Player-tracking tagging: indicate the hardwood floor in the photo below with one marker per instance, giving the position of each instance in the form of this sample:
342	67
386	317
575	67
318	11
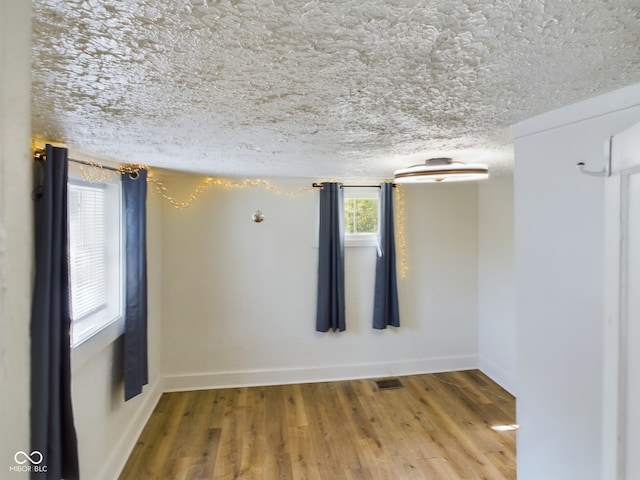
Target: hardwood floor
434	427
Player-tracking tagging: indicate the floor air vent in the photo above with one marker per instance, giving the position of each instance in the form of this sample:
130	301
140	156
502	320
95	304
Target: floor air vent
388	384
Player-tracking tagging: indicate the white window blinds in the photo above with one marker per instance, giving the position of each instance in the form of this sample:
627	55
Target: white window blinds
88	248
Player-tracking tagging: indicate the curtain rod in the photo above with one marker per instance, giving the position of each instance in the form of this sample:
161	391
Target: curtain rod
96	165
320	185
41	156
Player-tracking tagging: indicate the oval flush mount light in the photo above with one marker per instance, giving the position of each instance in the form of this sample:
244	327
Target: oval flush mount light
441	170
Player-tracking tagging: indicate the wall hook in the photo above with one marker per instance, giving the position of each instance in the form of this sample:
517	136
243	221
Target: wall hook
605	171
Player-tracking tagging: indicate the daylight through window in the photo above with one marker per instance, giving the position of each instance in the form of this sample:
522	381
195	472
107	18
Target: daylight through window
361	216
95	256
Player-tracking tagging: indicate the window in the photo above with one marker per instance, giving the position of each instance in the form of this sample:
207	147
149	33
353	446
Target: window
361	216
95	255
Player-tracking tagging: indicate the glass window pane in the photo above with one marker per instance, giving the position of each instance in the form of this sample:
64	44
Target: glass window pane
360	216
87	250
349	215
367	215
95	255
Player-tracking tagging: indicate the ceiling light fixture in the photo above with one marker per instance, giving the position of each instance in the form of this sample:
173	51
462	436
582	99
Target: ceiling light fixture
441	170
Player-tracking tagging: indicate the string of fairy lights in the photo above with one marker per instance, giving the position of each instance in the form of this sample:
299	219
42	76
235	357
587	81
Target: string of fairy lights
91	171
401	246
161	188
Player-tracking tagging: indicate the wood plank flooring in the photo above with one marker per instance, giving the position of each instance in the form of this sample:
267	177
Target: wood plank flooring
435	426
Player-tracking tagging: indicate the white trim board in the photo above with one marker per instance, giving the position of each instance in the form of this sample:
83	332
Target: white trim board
505	379
604	104
252	378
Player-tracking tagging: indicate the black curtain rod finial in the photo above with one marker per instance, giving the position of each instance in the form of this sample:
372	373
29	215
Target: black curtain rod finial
39	154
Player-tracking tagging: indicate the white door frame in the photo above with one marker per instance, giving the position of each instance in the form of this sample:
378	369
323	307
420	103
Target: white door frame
615	334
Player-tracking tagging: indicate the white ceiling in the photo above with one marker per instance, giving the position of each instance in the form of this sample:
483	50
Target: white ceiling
321	89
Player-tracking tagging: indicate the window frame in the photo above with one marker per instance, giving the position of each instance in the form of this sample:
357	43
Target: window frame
111	317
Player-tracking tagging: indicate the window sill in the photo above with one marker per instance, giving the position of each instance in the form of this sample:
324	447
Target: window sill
361	241
90	347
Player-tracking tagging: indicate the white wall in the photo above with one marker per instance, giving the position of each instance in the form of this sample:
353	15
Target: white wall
16	221
239	297
559	221
496	282
439	295
107	427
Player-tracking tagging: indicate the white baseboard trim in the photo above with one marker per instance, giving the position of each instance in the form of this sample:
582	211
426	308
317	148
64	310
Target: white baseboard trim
120	454
252	378
506	380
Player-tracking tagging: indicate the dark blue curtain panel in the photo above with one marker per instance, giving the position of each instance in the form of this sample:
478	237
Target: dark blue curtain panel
53	433
331	296
385	304
136	370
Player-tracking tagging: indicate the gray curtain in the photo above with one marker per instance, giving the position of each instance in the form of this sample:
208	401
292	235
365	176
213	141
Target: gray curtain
331	307
136	372
385	305
53	433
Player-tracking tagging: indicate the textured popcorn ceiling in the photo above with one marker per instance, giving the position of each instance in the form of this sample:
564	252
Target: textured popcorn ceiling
317	89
